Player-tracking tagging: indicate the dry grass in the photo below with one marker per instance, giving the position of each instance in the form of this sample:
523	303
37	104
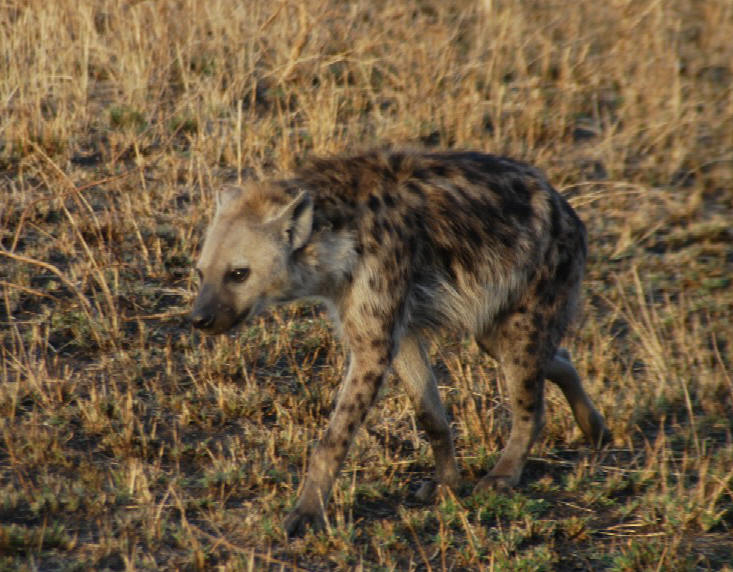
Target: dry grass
129	442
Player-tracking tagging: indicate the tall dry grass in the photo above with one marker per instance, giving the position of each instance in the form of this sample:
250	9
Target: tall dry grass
128	442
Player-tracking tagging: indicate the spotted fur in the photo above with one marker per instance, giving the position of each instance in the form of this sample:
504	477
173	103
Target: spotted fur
400	246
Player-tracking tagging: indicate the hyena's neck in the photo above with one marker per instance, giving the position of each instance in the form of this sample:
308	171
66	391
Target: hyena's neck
325	266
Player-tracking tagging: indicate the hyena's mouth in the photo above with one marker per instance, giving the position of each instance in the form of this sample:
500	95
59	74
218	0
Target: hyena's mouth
224	323
240	318
245	315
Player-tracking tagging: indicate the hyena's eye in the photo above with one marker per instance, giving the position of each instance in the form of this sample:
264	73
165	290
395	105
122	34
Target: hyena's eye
238	274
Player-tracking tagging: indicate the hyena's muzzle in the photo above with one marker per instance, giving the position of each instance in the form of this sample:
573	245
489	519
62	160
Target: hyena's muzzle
213	313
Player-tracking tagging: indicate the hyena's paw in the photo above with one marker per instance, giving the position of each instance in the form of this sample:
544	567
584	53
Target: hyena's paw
297	522
495	483
600	435
427	492
430	490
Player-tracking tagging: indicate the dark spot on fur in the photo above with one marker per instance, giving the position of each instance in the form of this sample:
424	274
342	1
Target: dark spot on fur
519	188
550	295
439	170
469	260
378	343
373	203
389	199
338	223
542	285
474	177
515	209
344	443
377	229
395	163
563	270
474	237
504	235
415	189
538	320
526	418
445	259
412	244
371	378
531	348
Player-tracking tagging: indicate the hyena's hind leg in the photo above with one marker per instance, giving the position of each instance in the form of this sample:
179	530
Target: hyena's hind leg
562	372
520	346
523	368
413	367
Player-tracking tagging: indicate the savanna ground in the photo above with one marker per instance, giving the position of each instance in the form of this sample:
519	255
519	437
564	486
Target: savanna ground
130	442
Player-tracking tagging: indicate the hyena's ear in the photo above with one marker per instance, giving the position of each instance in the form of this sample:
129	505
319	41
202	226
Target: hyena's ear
226	194
295	220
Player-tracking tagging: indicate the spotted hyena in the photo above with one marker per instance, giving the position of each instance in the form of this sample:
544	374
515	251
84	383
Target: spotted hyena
400	245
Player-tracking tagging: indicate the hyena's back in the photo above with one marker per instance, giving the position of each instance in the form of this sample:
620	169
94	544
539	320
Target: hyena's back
474	236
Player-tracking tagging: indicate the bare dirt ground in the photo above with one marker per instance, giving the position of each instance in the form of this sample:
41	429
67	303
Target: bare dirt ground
129	442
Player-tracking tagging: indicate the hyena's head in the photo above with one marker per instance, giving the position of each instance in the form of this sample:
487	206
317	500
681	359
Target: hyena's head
246	259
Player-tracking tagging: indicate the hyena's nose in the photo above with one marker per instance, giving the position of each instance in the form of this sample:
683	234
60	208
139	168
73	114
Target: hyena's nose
201	320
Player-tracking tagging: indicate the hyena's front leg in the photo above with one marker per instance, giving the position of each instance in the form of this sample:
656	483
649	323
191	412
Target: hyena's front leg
356	395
